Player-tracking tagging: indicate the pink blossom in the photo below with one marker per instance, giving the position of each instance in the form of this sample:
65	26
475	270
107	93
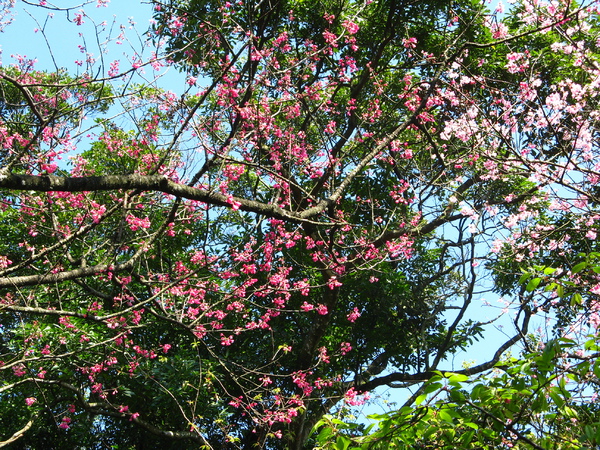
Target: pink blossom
353	398
304	287
64	424
354	314
136	223
236	402
235	205
517	62
97	212
322	309
30	401
4	262
19	370
248	269
299	378
233	171
226	340
114	68
330	128
330	38
307	307
79	17
200	331
402	247
266	381
333	282
350	26
410	42
323	356
345	347
499	30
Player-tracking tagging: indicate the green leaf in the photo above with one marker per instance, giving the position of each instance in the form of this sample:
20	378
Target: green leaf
533	284
481	392
458	378
340	423
591	344
431	387
449	434
597	368
524	277
446	415
556	397
457	396
342	442
467	436
576	299
579	267
420	399
324	435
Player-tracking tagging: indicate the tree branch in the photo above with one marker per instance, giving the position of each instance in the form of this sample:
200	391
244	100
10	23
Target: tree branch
20	433
156	183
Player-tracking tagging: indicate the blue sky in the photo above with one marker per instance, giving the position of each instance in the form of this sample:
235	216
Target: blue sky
44	34
57	39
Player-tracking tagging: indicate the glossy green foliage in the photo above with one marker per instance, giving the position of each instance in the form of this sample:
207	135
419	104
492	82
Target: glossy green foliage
523	403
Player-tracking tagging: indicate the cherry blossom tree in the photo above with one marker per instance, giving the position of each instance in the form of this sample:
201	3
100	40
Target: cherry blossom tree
315	214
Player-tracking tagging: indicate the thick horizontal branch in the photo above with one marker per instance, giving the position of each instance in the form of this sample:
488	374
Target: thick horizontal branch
50	312
50	278
154	183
